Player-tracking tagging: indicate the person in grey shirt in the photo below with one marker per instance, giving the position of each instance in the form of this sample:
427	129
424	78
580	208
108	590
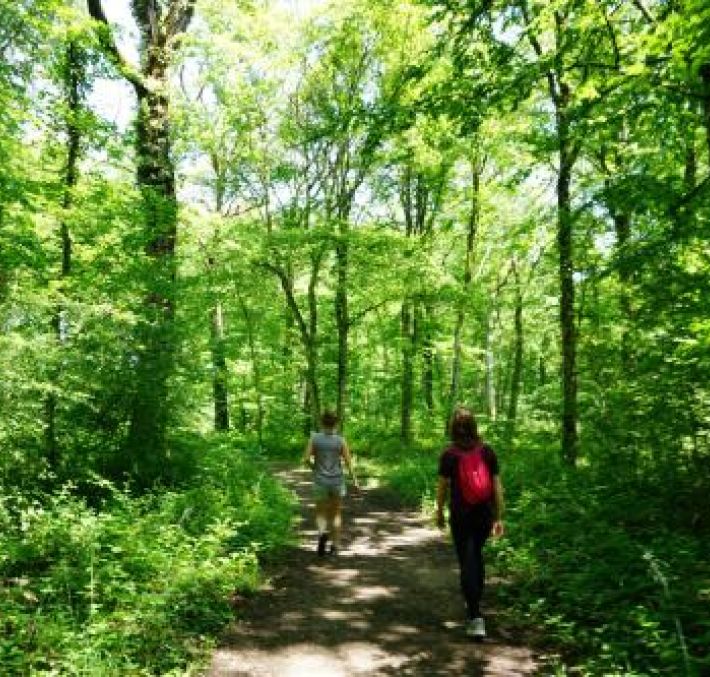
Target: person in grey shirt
326	451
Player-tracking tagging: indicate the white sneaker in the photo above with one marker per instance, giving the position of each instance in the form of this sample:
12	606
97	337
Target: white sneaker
476	628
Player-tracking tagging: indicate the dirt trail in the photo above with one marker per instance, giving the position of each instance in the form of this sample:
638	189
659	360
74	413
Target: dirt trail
388	604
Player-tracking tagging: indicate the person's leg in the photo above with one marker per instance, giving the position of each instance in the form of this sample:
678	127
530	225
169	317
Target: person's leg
321	508
322	516
468	542
335	519
462	538
476	570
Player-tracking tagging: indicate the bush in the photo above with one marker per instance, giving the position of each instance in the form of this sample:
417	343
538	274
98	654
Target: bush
593	565
142	585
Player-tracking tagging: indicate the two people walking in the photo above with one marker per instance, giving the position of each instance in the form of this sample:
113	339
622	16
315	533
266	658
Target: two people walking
469	482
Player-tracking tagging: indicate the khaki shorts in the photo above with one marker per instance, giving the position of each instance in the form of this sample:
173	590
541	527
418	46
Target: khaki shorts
322	492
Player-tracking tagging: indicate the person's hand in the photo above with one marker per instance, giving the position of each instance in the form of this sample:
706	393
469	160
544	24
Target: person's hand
498	528
440	521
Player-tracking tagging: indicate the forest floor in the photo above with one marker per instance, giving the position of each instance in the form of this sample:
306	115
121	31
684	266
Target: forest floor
388	604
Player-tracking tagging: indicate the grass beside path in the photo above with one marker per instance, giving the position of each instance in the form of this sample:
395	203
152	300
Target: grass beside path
607	579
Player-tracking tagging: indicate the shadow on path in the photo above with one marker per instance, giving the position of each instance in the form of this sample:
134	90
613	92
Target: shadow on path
388	604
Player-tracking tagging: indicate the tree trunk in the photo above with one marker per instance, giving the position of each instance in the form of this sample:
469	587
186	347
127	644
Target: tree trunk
308	331
73	76
219	366
161	25
622	229
567	292
256	370
342	317
156	180
427	356
490	373
473	218
217	344
705	78
407	337
517	353
312	345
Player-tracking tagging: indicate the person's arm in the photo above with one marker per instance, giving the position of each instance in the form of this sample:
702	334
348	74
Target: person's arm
498	506
442	493
348	459
308	453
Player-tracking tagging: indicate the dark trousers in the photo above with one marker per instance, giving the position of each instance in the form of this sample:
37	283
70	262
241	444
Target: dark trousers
469	534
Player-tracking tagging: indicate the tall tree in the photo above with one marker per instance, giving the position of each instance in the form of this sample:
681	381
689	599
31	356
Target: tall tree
161	24
72	75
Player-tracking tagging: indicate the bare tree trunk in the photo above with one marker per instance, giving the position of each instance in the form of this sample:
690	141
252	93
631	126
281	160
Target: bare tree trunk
517	353
307	329
407	372
217	344
567	292
219	365
256	369
705	78
161	25
427	356
473	218
73	76
567	152
490	373
342	317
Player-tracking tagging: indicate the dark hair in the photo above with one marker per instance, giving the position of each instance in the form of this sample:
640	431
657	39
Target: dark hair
463	430
328	419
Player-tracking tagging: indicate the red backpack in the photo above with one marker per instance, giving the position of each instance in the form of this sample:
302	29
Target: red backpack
474	477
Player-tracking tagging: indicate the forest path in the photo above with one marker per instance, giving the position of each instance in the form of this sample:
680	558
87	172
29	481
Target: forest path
388	604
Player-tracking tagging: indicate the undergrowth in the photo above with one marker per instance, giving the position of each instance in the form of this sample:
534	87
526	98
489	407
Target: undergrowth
608	576
137	585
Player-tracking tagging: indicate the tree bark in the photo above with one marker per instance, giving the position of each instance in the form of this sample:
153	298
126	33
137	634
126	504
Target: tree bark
567	152
407	371
73	76
307	329
427	356
491	402
342	315
473	218
220	390
705	79
256	370
219	366
567	292
516	376
161	26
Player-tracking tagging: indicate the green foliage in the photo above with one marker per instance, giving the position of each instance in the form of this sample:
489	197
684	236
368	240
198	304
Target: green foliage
138	585
590	567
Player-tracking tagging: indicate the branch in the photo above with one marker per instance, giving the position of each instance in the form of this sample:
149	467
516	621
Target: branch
375	306
179	16
688	197
290	300
537	48
644	10
126	69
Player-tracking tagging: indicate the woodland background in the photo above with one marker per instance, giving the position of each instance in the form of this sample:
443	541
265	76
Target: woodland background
382	207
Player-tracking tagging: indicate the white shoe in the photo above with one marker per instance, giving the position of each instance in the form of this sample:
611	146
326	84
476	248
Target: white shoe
476	628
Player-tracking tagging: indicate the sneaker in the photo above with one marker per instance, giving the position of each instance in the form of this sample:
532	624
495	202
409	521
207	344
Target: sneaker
476	628
321	544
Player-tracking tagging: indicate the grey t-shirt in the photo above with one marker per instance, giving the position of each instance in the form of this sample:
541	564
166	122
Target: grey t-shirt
328	469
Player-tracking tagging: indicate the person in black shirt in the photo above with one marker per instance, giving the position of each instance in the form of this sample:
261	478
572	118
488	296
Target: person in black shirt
471	524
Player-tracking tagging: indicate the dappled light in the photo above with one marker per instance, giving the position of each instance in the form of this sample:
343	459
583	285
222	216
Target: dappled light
388	604
240	234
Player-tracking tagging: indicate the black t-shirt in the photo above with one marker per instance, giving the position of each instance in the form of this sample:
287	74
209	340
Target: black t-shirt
448	467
